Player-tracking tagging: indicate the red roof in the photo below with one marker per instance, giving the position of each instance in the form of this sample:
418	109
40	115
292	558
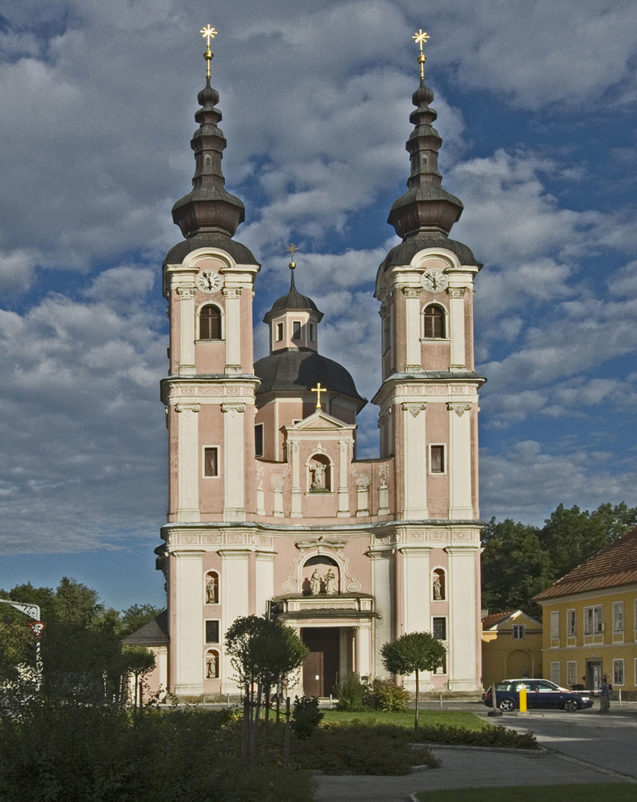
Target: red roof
614	565
491	620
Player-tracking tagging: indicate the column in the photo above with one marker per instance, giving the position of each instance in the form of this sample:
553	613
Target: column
457	326
233	329
235	573
412	329
263	579
363	649
463	660
186	295
383	602
233	461
293	456
460	461
187	462
343	490
414	472
415	591
188	633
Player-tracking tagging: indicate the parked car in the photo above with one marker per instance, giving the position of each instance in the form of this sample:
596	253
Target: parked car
540	693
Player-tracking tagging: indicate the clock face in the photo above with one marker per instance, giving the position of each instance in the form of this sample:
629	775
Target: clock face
435	281
209	281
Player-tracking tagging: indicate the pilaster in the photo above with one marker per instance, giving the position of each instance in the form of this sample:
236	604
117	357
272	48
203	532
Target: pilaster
460	461
233	329
186	295
235	597
234	462
464	599
457	326
414	470
412	329
188	626
187	462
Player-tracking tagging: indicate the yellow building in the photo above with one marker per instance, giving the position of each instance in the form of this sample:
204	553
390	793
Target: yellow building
590	620
511	647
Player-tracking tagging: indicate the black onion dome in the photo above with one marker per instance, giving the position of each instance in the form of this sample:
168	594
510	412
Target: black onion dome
426	205
299	369
293	300
404	252
208	207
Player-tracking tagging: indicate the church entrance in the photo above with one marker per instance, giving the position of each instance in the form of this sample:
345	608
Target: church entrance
320	669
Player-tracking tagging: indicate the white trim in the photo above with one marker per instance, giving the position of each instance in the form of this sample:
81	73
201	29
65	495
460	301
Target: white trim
616	662
555	671
572	634
571	667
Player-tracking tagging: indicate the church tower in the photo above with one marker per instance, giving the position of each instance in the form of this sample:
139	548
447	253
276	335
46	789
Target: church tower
429	403
270	508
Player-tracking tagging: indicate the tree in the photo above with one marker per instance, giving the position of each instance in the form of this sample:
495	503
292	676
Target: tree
263	653
135	616
138	661
413	653
514	566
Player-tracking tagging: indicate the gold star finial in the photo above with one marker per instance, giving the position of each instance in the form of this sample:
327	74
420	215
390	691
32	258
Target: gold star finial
292	250
318	390
208	33
421	37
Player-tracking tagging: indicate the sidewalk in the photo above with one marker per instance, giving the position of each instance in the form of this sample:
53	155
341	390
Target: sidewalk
465	768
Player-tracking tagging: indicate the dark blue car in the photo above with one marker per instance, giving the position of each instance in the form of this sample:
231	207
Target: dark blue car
540	693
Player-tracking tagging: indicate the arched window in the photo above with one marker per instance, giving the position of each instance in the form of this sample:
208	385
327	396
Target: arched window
210	323
435	321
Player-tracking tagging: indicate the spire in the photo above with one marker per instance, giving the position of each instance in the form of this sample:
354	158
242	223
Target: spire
208	207
426	206
293	300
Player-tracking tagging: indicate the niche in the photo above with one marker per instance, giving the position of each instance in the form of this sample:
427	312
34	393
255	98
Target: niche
319	474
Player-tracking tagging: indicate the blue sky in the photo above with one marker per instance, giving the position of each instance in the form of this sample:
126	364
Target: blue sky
536	105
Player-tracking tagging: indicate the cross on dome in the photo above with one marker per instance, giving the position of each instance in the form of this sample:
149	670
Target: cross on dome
421	37
208	33
318	390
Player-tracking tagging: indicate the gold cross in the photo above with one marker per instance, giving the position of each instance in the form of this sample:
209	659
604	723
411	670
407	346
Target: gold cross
420	38
291	250
318	390
208	33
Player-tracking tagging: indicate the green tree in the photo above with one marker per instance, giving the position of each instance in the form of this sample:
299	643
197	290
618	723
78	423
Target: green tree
135	616
514	566
138	662
413	653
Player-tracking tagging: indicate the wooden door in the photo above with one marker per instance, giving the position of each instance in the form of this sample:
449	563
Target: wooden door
320	669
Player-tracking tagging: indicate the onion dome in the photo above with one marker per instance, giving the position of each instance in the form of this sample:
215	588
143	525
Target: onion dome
208	207
426	206
292	301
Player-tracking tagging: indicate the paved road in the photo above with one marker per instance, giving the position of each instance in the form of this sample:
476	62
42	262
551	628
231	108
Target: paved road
585	748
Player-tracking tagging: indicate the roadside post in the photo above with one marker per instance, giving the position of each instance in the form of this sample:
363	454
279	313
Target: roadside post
37	628
522	693
495	711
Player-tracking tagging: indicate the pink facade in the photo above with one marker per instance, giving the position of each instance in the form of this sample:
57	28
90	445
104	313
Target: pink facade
269	509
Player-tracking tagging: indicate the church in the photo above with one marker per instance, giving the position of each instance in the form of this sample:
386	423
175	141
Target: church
270	511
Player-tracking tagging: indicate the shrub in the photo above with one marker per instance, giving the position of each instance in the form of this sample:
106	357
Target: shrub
489	736
306	716
387	695
353	694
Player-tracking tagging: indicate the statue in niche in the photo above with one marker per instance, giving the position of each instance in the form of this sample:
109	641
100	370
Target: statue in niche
212	667
315	582
437	587
212	590
318	476
330	582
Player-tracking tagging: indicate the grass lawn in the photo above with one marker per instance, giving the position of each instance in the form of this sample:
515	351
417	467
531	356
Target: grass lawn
618	792
426	718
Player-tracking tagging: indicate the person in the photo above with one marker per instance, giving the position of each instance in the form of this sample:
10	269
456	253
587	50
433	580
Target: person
606	690
211	590
437	588
318	475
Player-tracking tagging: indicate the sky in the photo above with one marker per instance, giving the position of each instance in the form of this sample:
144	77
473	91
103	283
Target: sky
536	107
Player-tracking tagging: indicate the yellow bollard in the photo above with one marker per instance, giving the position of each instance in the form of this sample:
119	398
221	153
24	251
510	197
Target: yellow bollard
522	693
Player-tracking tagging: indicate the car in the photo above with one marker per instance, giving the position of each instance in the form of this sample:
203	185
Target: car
540	693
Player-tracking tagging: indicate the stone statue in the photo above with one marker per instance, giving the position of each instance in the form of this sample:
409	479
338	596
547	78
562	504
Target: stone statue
212	670
318	475
330	582
315	582
437	588
211	590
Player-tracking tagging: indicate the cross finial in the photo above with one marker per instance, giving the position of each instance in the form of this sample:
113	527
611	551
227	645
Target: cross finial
421	37
318	390
292	250
208	33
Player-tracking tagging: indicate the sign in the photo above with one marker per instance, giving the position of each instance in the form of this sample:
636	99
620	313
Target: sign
37	628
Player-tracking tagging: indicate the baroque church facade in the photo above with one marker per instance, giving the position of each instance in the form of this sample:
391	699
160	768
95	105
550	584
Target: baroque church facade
270	511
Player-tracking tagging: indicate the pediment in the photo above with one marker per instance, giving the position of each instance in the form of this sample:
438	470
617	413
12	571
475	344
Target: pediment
320	421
